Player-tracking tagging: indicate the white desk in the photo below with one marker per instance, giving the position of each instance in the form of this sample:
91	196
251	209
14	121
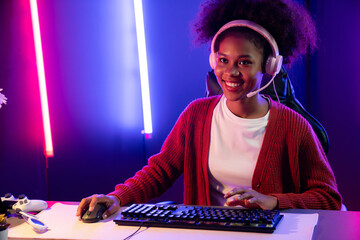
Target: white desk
63	224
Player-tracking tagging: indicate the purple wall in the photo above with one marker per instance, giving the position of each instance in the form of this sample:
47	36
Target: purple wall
93	83
335	98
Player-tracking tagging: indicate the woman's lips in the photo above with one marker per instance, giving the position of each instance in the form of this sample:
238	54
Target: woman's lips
232	86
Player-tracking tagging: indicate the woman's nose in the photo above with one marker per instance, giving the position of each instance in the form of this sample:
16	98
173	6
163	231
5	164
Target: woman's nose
233	72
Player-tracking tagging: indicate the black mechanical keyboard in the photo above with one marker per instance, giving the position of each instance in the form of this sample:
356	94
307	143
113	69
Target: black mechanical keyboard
200	217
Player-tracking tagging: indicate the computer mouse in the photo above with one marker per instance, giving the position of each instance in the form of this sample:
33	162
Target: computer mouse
95	215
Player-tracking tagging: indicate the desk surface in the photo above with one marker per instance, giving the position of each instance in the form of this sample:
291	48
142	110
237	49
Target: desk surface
334	224
330	225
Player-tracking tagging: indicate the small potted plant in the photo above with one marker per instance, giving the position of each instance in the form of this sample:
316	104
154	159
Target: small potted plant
3	227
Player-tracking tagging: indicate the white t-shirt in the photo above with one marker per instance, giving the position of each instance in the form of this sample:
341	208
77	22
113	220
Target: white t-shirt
235	144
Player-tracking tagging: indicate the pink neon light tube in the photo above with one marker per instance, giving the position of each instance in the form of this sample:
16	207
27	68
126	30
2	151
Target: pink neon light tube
49	151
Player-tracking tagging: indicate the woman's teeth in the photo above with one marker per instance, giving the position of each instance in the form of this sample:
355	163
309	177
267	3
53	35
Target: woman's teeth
232	84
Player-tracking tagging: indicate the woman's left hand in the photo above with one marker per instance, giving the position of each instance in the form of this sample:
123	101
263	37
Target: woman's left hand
250	198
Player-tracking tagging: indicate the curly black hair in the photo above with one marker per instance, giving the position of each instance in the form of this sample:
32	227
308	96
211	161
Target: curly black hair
288	22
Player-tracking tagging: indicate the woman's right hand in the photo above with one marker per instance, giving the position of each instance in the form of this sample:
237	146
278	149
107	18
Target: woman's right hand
112	203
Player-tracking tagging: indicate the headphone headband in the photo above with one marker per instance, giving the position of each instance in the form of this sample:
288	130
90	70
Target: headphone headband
273	63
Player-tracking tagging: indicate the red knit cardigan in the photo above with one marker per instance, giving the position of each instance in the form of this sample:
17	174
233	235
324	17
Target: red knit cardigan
291	166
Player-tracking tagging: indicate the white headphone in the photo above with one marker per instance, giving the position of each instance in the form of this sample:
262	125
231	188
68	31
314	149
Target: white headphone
273	62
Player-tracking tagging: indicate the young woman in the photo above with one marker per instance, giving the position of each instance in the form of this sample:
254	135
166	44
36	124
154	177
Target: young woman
241	148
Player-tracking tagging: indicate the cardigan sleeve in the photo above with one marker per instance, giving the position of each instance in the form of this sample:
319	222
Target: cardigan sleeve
318	189
160	173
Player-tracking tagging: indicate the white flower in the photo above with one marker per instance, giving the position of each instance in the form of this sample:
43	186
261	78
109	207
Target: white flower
2	98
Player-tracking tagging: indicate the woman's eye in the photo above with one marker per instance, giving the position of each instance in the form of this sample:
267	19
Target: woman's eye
244	62
223	60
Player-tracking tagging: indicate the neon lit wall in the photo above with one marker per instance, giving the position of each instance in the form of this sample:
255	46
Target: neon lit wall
336	87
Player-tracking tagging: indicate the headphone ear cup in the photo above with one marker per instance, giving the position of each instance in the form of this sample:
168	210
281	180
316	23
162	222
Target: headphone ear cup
273	65
278	64
270	65
212	60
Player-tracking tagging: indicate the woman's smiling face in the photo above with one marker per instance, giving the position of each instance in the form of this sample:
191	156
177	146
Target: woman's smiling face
239	66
